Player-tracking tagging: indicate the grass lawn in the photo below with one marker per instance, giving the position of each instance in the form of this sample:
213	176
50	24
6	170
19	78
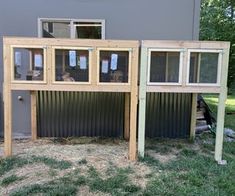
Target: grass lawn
170	167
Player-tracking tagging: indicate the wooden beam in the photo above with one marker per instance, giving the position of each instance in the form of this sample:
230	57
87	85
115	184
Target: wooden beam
193	116
142	101
127	117
221	107
133	104
33	96
7	98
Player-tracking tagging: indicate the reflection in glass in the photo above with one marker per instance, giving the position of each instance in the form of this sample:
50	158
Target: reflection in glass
164	67
28	64
203	67
56	29
72	65
88	30
114	66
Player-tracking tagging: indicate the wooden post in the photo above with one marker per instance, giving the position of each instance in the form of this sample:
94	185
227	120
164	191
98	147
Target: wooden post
33	115
220	126
142	101
127	117
193	116
133	104
7	98
221	107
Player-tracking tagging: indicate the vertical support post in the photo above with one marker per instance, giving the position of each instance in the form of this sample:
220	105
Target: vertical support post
221	105
133	103
142	101
127	117
7	121
193	116
7	97
220	126
33	115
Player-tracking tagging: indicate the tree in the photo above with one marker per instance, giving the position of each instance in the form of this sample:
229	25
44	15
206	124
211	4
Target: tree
218	24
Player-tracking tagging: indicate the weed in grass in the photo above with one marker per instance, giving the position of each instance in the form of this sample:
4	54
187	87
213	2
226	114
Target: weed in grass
82	162
11	179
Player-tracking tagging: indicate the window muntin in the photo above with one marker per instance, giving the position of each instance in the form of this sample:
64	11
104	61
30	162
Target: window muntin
28	64
204	67
71	65
165	66
114	66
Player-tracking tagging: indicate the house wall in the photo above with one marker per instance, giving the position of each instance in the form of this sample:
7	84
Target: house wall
125	19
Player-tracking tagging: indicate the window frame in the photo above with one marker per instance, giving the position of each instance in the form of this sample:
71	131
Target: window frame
128	83
45	70
72	25
54	48
181	60
219	66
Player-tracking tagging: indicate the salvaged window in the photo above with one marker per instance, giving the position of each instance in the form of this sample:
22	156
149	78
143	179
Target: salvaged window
71	65
88	30
204	67
114	66
28	64
164	67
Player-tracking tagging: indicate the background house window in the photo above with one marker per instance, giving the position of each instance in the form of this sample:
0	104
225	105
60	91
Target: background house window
71	28
203	67
164	67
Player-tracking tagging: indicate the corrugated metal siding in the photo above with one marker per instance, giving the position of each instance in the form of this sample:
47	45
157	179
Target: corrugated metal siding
168	115
66	114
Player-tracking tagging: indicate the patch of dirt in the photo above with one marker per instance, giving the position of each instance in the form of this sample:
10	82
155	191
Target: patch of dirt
162	158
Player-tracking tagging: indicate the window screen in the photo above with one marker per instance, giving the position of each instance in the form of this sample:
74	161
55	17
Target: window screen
72	65
28	64
203	67
164	66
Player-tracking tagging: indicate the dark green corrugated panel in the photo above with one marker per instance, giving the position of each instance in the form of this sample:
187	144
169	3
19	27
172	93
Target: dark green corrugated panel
66	114
168	115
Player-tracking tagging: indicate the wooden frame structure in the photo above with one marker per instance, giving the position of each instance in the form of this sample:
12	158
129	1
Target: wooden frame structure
130	89
220	87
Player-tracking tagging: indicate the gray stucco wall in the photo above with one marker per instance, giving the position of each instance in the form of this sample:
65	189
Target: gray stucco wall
125	19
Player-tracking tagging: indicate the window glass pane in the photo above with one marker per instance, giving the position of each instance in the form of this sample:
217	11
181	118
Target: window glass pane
91	30
164	67
114	66
56	29
28	64
72	65
203	67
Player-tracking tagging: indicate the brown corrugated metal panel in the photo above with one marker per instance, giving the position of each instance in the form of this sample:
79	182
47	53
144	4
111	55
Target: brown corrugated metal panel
66	114
168	115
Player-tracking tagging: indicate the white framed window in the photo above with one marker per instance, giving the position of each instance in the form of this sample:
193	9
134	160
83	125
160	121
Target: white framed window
165	66
204	67
71	28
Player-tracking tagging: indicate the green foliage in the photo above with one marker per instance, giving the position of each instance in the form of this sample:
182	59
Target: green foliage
218	23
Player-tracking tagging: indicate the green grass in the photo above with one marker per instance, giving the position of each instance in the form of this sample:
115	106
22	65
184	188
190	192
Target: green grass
13	162
10	179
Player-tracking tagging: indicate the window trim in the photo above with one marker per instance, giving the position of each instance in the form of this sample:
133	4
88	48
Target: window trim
72	25
181	51
219	71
